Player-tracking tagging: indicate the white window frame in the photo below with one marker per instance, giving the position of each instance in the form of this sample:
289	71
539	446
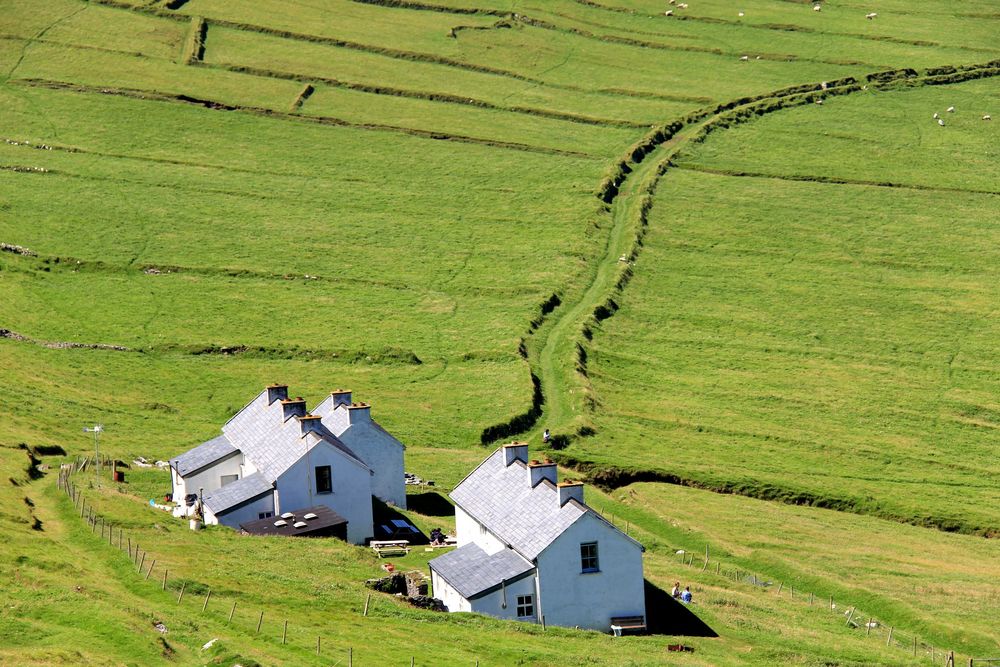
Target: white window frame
591	557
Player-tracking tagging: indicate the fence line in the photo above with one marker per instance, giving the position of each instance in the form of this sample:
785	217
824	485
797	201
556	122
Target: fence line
910	643
137	556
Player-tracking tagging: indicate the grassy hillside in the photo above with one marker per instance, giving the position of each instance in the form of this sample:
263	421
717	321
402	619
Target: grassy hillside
198	198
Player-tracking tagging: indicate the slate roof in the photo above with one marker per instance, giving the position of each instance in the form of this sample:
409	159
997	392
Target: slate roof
325	518
204	454
272	443
237	492
501	498
471	571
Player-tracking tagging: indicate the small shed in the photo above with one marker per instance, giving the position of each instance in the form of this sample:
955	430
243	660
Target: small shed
318	521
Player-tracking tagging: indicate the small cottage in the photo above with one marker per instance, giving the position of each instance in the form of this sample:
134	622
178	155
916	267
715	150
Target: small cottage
530	549
274	457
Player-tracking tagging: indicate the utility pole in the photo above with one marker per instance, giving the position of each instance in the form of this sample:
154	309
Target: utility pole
96	429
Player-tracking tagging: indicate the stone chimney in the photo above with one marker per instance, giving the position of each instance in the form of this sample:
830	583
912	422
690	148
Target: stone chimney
515	451
293	408
570	491
341	397
309	423
276	392
537	471
359	413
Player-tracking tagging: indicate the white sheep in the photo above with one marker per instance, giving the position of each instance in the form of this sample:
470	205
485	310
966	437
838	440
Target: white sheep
669	12
936	116
871	15
817	8
950	109
941	122
987	117
744	58
741	14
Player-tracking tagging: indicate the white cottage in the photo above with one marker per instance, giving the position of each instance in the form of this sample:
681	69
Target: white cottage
529	549
274	457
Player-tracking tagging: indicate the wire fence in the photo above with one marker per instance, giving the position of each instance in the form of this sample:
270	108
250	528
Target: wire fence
851	616
252	620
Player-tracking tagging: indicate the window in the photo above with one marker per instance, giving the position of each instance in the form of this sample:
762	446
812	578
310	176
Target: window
265	515
228	479
588	557
525	606
324	482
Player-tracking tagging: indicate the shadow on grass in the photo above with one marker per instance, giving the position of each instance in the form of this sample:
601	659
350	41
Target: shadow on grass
667	616
430	503
383	518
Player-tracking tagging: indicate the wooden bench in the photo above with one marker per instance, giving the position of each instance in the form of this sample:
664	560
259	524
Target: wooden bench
390	547
624	623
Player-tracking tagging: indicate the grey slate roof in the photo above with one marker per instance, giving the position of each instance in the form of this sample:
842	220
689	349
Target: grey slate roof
237	492
272	443
203	455
501	498
471	571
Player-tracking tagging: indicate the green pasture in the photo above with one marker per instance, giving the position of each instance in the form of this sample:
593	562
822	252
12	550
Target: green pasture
810	317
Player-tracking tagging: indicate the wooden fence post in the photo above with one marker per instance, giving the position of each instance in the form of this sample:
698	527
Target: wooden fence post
889	639
260	619
141	562
181	594
150	570
350	656
284	632
208	596
868	627
780	584
367	600
233	611
318	638
849	616
164	580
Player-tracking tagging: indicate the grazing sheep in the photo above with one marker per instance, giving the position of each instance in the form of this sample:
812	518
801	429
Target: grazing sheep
950	109
987	117
744	58
817	8
669	12
819	101
682	5
741	14
871	15
823	85
936	116
941	122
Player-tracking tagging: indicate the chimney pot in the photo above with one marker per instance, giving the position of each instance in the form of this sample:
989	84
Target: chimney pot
515	451
276	392
539	471
290	408
570	491
341	397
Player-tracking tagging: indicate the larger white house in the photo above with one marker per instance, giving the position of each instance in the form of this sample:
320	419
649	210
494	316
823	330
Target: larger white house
530	549
274	456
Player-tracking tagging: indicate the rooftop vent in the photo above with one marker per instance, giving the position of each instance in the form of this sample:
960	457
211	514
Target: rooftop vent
280	522
299	524
287	515
309	516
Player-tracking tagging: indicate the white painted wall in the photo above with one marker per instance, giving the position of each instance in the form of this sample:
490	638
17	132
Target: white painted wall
351	497
380	450
589	600
244	514
448	595
208	479
492	604
468	530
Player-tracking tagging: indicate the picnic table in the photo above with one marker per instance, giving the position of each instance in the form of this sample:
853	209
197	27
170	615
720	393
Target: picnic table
390	547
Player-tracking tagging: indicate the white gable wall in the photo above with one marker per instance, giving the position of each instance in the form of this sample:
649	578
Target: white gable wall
443	591
241	514
468	530
380	450
351	497
589	600
209	479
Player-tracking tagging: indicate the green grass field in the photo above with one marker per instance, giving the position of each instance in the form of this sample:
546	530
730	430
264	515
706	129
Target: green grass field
805	312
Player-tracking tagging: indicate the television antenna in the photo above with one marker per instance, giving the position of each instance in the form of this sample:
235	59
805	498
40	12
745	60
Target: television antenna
96	429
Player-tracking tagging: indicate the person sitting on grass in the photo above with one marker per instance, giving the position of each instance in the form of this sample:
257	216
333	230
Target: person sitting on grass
676	592
686	595
437	537
546	436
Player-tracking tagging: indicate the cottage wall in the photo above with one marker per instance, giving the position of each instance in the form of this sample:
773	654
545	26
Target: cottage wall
351	497
571	597
468	530
493	603
443	591
243	513
208	479
381	451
